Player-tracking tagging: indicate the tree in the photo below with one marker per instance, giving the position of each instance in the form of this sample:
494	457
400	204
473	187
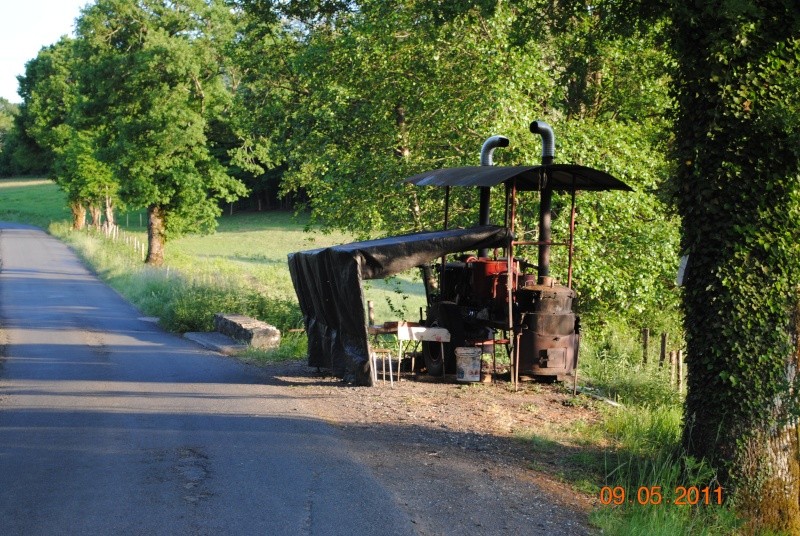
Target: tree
738	149
267	92
152	77
359	99
349	102
8	111
86	180
19	153
51	116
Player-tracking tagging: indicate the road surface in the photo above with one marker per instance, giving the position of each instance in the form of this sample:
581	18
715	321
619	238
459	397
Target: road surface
108	425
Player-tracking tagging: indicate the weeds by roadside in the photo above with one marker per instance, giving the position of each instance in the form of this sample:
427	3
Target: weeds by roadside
643	469
182	302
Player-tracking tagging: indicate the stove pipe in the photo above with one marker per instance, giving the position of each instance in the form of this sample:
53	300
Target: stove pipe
486	160
546	202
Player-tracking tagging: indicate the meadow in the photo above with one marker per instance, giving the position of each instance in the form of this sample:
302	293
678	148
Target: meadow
242	269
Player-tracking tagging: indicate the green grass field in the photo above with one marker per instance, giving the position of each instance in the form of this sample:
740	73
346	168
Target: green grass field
34	201
254	248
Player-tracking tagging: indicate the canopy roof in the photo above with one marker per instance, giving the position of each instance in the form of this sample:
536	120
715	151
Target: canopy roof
561	177
328	286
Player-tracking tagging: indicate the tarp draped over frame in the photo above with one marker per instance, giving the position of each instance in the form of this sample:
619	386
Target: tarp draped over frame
328	286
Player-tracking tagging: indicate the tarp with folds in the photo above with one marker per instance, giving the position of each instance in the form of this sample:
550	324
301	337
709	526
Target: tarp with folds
328	286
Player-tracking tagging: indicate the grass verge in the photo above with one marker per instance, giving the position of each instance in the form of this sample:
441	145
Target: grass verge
642	469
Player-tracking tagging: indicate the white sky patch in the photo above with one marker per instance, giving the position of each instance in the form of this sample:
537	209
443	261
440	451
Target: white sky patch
25	27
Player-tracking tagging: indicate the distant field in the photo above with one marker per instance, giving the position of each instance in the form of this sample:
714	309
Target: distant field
255	245
34	201
250	248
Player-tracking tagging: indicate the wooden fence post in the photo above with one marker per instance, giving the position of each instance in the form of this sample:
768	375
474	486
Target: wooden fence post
645	342
672	367
663	349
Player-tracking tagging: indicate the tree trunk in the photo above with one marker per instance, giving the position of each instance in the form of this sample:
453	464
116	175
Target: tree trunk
97	216
770	463
770	476
155	235
111	221
736	186
78	215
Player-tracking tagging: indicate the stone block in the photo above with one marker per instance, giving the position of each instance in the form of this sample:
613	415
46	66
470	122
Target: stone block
254	332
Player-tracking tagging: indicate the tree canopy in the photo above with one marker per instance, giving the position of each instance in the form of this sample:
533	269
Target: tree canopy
347	103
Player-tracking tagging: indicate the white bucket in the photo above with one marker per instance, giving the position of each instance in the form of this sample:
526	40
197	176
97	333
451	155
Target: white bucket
468	364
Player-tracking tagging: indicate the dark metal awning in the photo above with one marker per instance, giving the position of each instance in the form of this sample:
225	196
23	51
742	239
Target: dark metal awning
561	177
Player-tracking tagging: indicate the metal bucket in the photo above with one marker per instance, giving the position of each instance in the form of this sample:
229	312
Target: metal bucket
468	364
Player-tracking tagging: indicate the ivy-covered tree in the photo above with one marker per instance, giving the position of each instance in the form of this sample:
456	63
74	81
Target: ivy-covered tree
152	79
738	189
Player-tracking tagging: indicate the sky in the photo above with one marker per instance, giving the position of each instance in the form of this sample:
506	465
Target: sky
25	27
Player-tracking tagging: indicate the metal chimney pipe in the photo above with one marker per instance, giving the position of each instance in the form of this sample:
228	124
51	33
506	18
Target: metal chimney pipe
487	150
546	201
548	140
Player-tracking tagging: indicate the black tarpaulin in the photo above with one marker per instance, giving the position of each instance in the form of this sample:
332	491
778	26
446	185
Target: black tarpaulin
328	286
562	177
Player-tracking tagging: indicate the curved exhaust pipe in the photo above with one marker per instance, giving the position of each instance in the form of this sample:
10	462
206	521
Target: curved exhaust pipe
548	140
487	151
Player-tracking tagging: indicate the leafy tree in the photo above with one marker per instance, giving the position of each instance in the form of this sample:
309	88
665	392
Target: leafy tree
738	146
21	154
50	114
268	91
355	99
371	95
8	111
609	111
153	77
86	180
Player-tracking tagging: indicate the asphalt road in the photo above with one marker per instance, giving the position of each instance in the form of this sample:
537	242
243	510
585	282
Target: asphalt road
108	425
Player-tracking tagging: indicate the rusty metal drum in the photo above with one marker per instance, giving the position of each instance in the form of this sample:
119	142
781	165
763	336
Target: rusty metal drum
548	339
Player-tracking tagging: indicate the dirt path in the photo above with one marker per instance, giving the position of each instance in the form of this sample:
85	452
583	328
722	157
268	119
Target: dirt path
453	455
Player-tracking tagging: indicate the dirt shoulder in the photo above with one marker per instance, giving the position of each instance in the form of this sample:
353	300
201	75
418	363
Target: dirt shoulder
456	455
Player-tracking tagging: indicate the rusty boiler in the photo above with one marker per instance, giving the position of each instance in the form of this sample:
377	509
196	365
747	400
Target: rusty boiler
548	338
